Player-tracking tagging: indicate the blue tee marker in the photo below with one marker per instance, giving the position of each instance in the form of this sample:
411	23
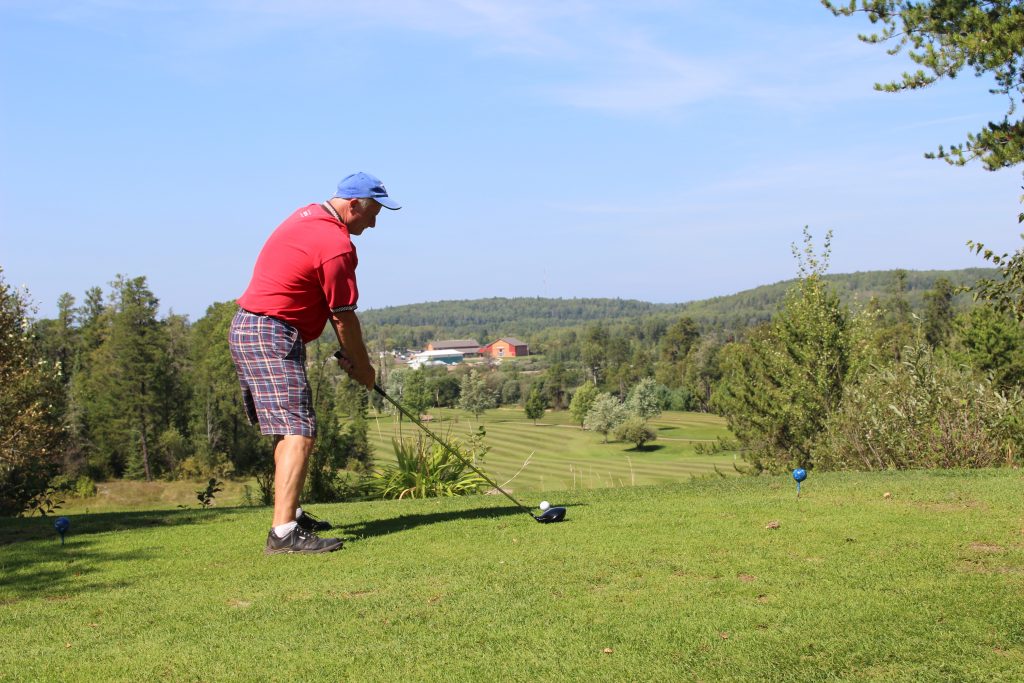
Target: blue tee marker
799	474
62	524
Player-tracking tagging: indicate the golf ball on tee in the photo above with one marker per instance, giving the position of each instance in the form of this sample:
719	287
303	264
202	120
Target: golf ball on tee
544	505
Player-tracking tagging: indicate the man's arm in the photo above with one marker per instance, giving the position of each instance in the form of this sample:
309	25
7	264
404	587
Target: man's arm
350	336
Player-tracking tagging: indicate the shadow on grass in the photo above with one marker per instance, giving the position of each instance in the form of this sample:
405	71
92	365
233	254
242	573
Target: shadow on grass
59	573
651	448
383	527
33	561
22	529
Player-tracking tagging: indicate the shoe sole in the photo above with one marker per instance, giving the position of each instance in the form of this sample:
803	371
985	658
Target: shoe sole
289	551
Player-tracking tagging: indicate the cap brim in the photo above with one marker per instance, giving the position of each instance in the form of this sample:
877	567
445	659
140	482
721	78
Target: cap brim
388	203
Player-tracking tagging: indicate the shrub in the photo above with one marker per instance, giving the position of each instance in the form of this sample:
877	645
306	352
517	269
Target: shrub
81	486
925	411
206	496
84	487
635	430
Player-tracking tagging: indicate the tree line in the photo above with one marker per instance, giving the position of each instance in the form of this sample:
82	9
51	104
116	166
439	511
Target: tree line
108	389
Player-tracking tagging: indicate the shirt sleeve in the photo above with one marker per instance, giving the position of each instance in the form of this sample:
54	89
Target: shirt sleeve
338	278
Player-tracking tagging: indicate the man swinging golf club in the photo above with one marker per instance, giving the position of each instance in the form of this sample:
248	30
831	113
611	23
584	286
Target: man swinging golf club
304	276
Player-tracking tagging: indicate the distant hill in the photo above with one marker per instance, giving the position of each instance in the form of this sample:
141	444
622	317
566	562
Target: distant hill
487	319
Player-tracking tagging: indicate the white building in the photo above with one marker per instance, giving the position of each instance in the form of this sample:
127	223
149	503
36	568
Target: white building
435	357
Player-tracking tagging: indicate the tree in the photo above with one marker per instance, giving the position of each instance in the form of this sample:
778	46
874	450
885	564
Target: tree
218	427
605	414
643	399
31	405
581	401
891	320
593	346
341	446
702	371
554	385
474	395
938	313
444	387
945	37
780	386
416	395
535	405
678	340
128	388
635	430
993	343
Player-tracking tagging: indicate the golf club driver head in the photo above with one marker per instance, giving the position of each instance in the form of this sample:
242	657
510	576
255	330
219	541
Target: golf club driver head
556	514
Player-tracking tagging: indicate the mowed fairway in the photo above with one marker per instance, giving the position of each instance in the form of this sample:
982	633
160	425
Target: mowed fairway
563	456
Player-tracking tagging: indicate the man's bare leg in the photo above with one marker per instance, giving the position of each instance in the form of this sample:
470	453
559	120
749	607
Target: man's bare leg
291	460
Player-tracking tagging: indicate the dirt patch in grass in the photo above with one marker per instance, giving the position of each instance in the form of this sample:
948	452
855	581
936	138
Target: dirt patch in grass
979	567
951	506
982	547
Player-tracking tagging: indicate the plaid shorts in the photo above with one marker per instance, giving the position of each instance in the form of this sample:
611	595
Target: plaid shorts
270	359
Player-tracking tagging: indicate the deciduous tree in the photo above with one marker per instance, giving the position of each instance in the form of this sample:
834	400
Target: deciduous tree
31	405
605	414
474	395
643	399
581	401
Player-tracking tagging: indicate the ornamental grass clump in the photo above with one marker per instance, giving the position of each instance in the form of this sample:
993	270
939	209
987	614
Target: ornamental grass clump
425	469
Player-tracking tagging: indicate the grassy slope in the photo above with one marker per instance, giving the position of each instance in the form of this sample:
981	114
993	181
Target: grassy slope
564	456
681	582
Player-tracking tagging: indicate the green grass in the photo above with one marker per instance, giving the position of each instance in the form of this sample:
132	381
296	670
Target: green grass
120	495
682	582
566	457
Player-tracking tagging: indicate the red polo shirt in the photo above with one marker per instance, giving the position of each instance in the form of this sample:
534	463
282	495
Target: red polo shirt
306	269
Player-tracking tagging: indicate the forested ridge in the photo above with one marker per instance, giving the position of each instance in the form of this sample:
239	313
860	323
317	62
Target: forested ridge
413	325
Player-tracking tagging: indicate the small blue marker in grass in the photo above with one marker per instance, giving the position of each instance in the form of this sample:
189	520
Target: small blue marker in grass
62	524
799	474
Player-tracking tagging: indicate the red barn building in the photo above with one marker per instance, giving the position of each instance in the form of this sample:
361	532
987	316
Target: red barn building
507	347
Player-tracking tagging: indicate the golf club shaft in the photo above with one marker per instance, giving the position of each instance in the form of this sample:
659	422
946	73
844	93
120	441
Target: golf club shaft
445	446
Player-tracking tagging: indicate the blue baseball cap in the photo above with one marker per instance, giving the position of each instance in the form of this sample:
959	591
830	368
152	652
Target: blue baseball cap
363	185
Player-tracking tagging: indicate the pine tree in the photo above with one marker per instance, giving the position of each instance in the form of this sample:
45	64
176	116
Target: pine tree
945	38
127	391
535	405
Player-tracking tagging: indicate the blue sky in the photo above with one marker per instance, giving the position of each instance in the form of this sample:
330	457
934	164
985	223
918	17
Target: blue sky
656	150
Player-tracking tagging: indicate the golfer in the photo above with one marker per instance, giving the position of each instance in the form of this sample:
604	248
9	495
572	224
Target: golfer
305	276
